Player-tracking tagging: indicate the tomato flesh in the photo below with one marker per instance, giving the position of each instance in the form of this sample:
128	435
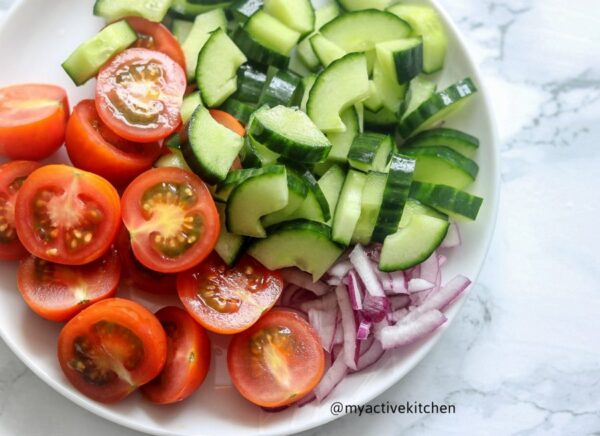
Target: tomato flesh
139	95
33	119
188	358
155	36
277	361
66	215
228	300
111	348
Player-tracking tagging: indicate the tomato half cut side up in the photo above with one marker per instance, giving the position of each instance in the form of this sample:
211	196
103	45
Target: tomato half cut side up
66	215
171	218
188	358
139	95
33	119
228	300
111	348
155	36
277	361
93	147
137	275
12	176
58	292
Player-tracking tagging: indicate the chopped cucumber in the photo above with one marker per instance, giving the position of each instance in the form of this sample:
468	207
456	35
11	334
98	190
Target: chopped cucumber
461	142
414	207
331	184
181	29
402	59
370	152
229	246
347	211
304	49
173	159
272	33
284	88
420	90
189	105
341	142
112	10
233	179
357	5
188	11
298	14
375	101
457	204
250	83
443	165
381	121
390	92
371	200
244	9
307	84
239	109
258	52
297	191
203	25
326	50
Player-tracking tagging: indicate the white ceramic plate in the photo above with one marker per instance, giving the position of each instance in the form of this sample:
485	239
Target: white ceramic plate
34	39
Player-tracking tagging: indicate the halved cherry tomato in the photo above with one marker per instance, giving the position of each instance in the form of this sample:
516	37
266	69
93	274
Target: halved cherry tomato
228	300
228	121
92	146
138	275
172	219
139	95
33	118
188	358
12	176
277	361
155	36
66	215
111	348
58	292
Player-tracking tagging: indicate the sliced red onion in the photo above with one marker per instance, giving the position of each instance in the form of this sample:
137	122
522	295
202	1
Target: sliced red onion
364	328
324	322
419	285
407	332
340	269
336	351
430	268
306	400
338	337
287	294
332	377
384	278
355	290
397	315
399	284
366	272
365	345
452	238
334	281
442	260
348	325
446	295
326	302
413	273
374	252
371	356
399	301
375	308
304	280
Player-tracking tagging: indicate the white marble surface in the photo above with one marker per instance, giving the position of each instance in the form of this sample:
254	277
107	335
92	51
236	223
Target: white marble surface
524	356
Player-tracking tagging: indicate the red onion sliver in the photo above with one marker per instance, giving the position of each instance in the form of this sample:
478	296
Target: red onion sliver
398	282
354	290
442	260
419	285
364	328
399	301
452	238
398	315
365	270
371	356
340	269
375	308
332	377
324	322
326	302
348	325
306	400
446	295
430	269
304	280
407	332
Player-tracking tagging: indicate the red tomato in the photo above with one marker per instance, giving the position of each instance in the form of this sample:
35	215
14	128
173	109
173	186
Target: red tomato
33	118
139	95
12	176
92	146
188	358
228	121
58	292
111	348
277	361
66	215
172	219
138	275
228	300
155	36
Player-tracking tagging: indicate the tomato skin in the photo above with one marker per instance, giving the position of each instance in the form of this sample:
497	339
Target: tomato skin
10	175
285	336
228	121
93	147
144	336
32	131
188	358
155	36
166	221
50	290
228	300
52	196
139	94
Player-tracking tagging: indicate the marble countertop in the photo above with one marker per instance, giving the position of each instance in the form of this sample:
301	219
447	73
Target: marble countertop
524	355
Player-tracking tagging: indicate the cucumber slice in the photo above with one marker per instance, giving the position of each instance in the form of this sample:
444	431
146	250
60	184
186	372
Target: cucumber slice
342	84
341	142
401	60
447	199
297	191
250	83
173	159
229	246
325	50
181	29
419	91
374	102
203	25
113	10
461	142
397	187
389	90
414	244
218	62
382	121
188	11
437	108
303	244
357	5
347	211
87	59
370	152
315	206
414	207
257	52
244	9
307	84
272	33
239	109
305	52
331	183
284	88
290	133
298	14
233	179
426	23
372	198
248	156
255	197
189	105
211	148
443	165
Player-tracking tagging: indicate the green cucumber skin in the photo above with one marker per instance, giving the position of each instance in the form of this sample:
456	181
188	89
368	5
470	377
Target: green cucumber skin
296	187
251	82
434	105
409	63
452	157
229	246
137	10
382	121
347	211
365	150
239	109
313	186
233	179
284	88
447	199
460	141
244	9
184	10
248	156
396	193
257	52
